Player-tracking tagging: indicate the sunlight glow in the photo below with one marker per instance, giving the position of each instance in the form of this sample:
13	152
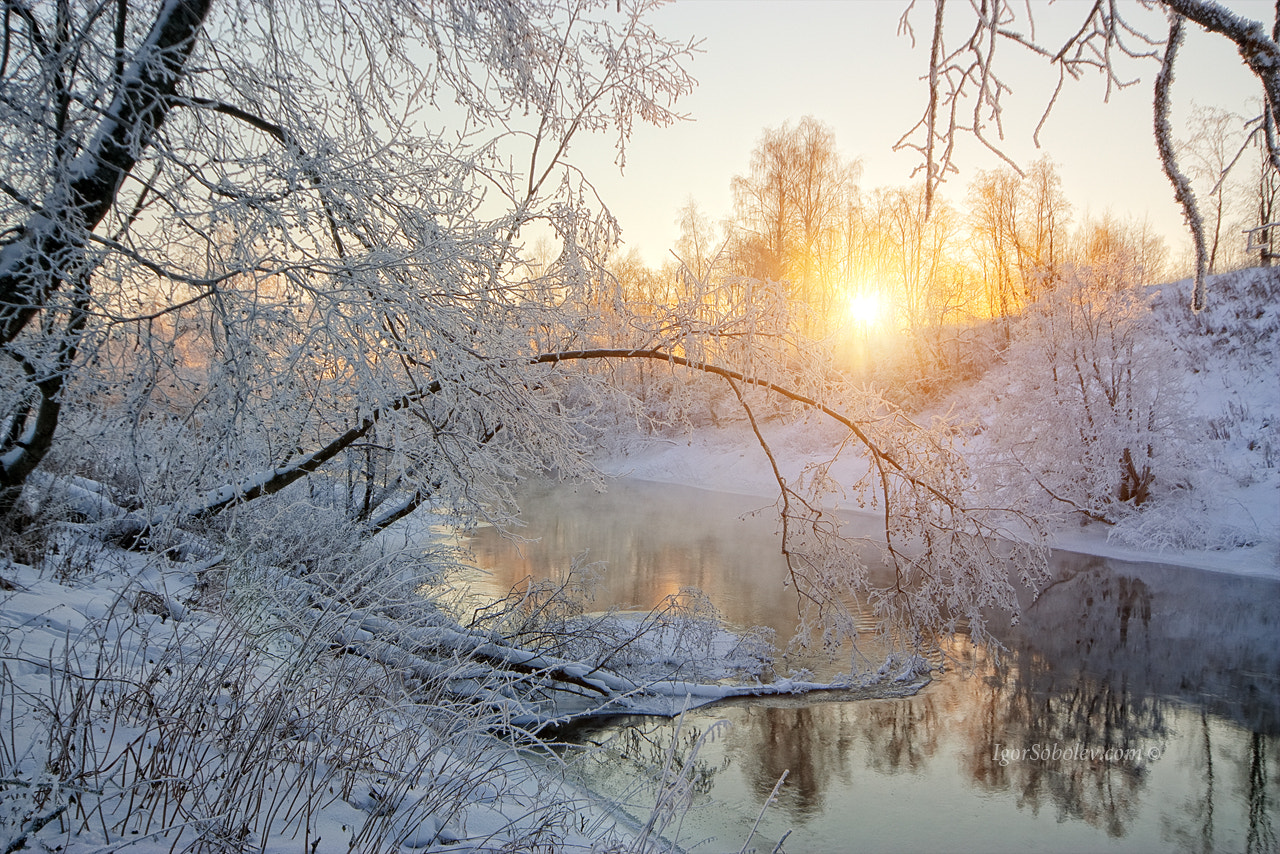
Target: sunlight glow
863	309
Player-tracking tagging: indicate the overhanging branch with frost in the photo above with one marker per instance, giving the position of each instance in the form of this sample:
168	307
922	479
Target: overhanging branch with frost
946	556
965	71
271	481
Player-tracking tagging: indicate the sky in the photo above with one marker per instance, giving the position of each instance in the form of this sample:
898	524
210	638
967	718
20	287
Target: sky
766	62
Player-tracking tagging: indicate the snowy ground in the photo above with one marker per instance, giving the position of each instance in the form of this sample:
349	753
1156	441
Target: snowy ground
730	461
110	678
142	711
1232	423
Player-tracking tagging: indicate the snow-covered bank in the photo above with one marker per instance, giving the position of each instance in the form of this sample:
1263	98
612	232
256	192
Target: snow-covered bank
135	719
228	703
728	460
1222	514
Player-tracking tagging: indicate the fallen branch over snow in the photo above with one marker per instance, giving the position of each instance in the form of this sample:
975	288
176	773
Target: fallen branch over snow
508	678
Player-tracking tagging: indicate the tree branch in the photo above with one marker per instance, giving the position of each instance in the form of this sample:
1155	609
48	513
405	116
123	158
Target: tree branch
1169	160
32	268
875	450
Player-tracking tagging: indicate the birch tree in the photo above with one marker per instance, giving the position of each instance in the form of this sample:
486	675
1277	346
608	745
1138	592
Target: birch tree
968	84
1216	140
790	207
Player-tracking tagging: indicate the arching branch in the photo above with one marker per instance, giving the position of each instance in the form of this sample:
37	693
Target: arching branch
877	453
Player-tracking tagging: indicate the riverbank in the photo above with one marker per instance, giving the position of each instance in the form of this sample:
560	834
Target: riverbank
1242	500
1214	500
729	460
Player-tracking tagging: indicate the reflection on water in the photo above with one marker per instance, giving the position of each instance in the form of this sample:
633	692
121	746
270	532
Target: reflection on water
654	540
1137	707
653	546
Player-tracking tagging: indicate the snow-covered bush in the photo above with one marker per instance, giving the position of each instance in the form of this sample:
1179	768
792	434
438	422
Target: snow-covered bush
1232	344
1231	473
683	637
1087	408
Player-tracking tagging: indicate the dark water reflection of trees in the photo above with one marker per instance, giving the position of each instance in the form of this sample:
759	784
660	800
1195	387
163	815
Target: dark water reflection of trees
1103	660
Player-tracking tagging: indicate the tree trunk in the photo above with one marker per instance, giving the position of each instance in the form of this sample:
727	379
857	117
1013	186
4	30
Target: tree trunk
54	238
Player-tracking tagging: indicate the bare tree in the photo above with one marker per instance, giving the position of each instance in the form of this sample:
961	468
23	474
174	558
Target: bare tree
967	91
994	217
763	202
1042	233
1217	139
791	207
1265	197
697	246
822	186
926	289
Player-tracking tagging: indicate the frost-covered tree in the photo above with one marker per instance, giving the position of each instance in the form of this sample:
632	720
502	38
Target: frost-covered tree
254	246
1216	141
790	209
994	218
322	202
1089	404
927	287
968	86
1017	232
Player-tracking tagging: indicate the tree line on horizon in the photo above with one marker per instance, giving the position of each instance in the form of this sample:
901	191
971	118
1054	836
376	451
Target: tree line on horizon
802	220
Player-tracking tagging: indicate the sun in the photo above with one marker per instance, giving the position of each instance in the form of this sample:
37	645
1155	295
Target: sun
863	309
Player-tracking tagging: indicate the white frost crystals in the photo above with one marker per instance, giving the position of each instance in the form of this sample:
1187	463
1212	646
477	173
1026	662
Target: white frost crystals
281	240
1123	406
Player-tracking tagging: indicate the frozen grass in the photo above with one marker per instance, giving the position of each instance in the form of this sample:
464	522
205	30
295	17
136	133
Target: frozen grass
226	706
301	690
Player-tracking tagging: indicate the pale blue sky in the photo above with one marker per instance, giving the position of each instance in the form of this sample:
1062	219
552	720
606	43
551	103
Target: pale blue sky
842	61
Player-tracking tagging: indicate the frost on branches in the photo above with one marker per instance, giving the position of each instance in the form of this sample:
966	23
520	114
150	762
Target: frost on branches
290	224
1090	399
245	254
969	78
262	295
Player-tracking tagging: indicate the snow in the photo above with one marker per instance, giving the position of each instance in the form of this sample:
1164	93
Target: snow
727	461
108	650
121	624
1232	417
471	794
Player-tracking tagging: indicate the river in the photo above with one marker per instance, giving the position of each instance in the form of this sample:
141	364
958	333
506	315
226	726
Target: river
1136	708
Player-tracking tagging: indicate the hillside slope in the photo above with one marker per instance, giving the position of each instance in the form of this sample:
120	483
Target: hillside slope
1215	496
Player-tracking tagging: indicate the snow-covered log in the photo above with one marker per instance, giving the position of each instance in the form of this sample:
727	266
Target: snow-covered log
531	690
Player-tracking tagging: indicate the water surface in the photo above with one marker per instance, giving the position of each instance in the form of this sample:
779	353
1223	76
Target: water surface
1137	706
